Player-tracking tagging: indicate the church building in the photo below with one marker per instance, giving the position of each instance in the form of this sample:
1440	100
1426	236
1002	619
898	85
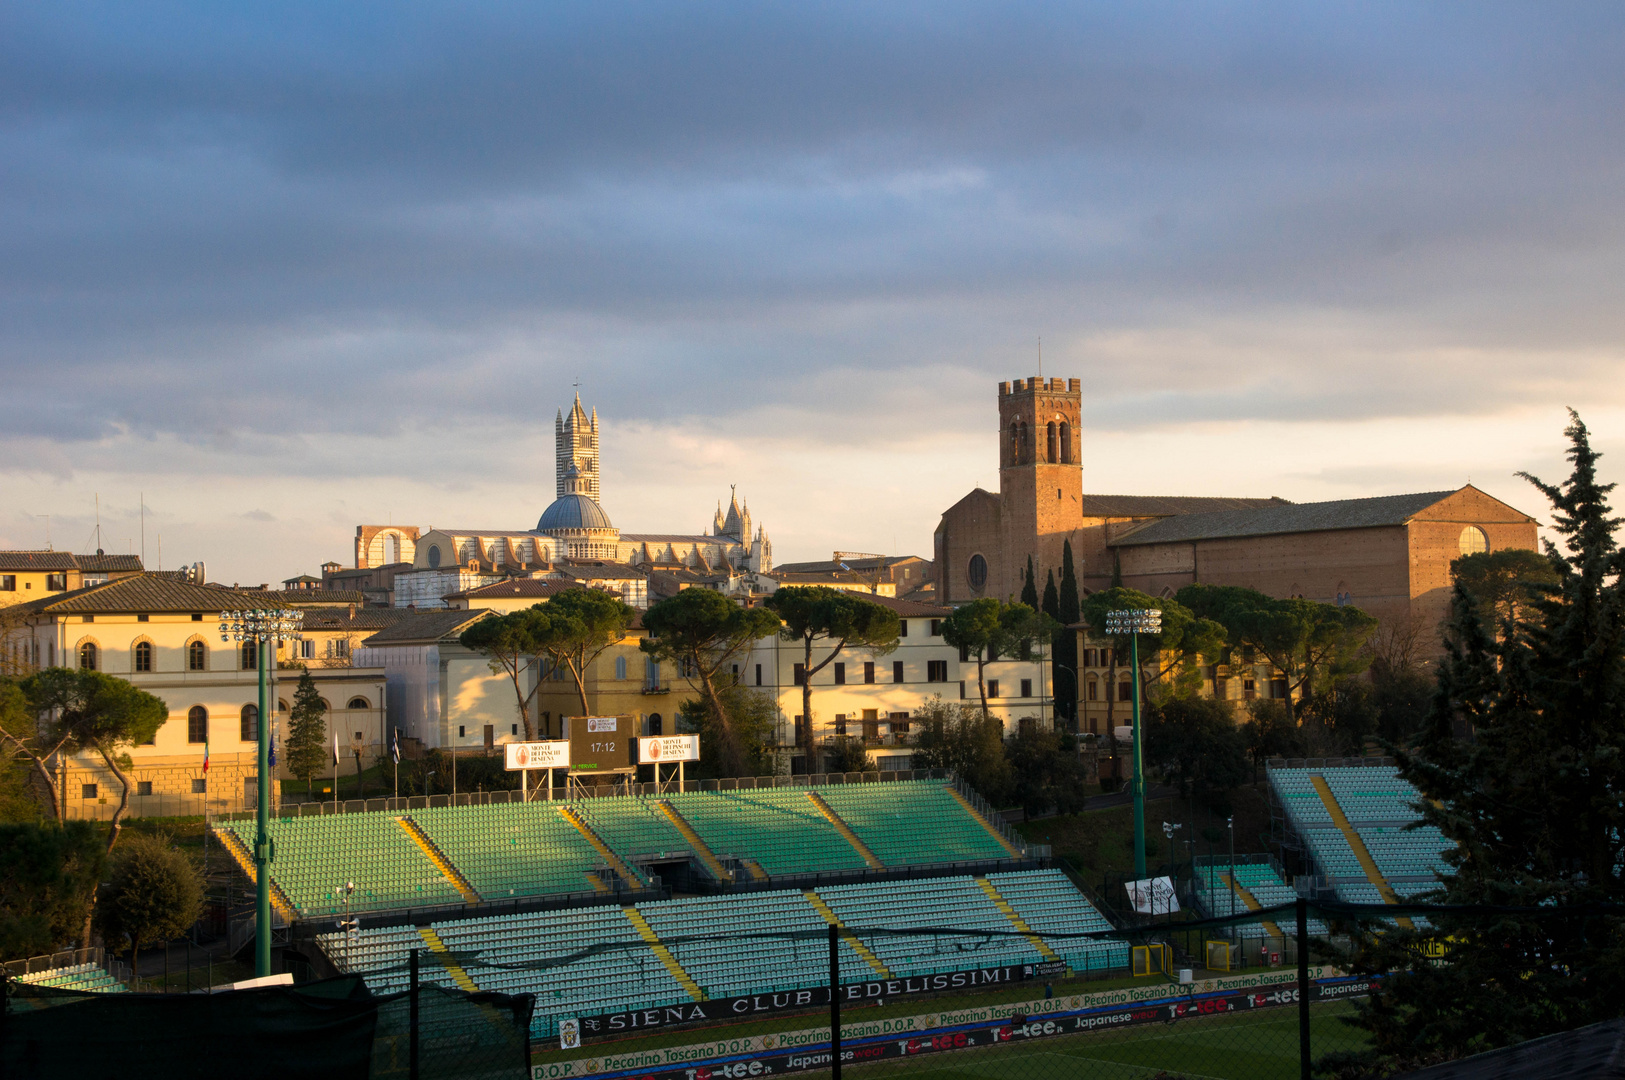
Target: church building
573	531
1389	555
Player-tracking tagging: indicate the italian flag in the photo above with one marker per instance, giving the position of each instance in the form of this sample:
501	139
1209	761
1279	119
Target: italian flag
205	755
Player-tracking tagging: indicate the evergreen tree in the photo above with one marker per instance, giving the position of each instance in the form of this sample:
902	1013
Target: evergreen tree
1532	800
1067	613
1029	586
1063	673
306	746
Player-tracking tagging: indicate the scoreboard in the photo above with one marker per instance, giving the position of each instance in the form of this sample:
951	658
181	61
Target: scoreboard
601	743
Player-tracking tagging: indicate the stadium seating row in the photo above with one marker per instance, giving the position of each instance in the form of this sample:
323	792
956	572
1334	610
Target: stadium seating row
590	961
87	977
1379	809
411	859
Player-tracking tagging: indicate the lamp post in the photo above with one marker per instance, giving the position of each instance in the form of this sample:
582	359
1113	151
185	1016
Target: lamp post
1134	622
264	627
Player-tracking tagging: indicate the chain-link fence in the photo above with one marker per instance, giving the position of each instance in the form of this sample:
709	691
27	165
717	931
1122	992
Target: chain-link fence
668	993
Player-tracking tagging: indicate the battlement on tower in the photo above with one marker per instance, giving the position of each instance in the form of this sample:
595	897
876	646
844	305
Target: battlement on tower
1035	384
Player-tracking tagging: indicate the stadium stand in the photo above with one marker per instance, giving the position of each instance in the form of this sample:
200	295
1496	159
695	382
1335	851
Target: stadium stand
91	978
1255	885
1356	825
648	964
424	858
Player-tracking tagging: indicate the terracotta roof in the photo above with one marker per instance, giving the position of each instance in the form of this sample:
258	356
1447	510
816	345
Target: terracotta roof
109	563
316	597
363	618
909	609
515	587
153	592
1384	510
67	560
617	571
1166	505
827	566
37	560
426	627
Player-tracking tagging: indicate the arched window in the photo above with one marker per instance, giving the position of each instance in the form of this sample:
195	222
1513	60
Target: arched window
1052	452
656	725
143	656
197	724
1473	541
358	703
434	555
250	656
1026	445
1015	443
88	655
1066	443
1094	689
620	667
976	572
251	723
197	657
281	706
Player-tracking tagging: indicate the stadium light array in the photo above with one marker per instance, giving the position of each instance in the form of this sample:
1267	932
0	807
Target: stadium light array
265	627
1133	622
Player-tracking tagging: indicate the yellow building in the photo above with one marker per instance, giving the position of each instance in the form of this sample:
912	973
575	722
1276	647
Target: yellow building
163	634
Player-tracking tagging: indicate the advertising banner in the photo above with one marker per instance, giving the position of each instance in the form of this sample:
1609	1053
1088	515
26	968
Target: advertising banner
915	1036
1152	896
536	755
805	998
660	749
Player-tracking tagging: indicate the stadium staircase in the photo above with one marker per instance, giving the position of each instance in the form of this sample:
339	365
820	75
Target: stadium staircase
1251	902
847	935
616	863
976	814
846	832
452	967
1357	845
436	856
754	869
706	856
245	860
646	932
1016	920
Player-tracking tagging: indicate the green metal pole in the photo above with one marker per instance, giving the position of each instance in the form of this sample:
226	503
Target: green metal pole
262	835
1139	765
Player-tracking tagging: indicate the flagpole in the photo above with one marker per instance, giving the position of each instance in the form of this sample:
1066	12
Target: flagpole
335	727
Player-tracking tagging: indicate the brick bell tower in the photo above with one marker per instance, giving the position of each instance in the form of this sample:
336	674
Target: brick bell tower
1040	477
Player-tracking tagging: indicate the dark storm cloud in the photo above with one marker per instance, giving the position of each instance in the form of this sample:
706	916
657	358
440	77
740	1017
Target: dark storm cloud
332	217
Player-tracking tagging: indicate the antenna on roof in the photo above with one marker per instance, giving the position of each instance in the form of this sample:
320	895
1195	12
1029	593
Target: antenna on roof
98	522
143	497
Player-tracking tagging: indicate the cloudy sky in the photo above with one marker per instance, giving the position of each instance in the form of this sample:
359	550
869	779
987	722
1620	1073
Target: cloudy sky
289	270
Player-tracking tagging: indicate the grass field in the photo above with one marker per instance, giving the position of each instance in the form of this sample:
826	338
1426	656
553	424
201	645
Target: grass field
1251	1046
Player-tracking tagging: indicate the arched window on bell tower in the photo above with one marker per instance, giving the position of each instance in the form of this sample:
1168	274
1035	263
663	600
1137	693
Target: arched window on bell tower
1015	443
1024	455
1050	451
1066	443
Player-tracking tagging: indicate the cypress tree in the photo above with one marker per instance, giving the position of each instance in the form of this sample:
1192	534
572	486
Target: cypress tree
1522	767
1029	587
1067	612
1052	599
1070	610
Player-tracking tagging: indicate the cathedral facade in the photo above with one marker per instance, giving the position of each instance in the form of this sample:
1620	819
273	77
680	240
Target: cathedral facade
574	529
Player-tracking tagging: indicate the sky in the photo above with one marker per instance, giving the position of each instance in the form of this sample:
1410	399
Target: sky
276	271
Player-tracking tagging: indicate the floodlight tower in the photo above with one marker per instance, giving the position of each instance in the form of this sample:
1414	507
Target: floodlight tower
1134	622
264	627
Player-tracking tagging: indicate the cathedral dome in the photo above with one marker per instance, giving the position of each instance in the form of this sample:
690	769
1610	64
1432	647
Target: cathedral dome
573	511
